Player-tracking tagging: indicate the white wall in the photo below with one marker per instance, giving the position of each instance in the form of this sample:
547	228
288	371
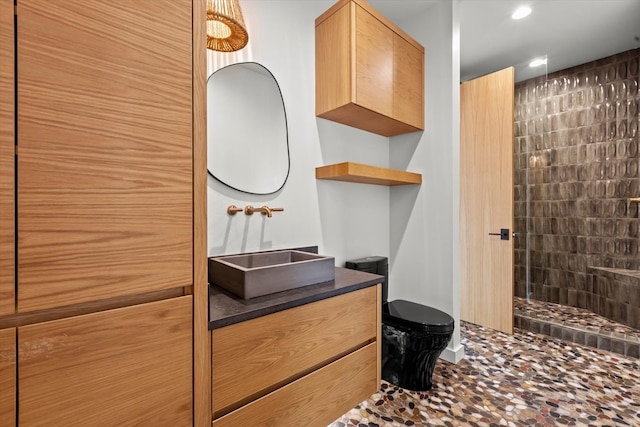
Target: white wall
416	226
424	237
345	220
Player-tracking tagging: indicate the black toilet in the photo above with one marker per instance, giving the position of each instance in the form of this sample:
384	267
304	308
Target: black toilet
413	335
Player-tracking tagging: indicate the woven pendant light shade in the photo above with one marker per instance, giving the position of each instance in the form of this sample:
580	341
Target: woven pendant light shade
226	30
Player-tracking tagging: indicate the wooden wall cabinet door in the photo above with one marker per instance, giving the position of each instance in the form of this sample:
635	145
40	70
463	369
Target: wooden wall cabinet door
128	366
105	161
7	159
369	73
374	63
8	377
408	82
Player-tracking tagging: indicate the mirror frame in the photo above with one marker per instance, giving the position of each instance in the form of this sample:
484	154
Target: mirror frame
286	130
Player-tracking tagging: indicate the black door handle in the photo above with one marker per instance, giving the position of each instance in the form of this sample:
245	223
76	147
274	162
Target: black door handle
504	234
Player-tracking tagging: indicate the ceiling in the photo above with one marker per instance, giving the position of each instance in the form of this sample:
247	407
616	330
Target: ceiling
568	32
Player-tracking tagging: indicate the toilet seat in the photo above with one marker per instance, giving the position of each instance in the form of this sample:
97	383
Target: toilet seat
418	317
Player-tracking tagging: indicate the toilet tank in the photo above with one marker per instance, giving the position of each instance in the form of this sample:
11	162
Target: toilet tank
376	265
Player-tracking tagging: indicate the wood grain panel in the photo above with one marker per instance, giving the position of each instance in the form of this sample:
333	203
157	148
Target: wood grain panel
486	200
333	61
7	160
316	399
202	335
105	160
30	317
130	366
374	64
408	82
252	357
367	174
8	377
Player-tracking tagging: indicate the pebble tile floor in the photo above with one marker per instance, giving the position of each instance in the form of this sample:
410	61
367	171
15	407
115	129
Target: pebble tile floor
524	379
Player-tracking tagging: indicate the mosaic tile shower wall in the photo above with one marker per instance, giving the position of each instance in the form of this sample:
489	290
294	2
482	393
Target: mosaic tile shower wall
576	166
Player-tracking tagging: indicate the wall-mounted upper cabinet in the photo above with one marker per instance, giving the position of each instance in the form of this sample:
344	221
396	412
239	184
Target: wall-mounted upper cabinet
369	73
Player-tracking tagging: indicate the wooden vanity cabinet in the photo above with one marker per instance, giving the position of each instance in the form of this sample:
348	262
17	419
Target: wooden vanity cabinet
7	376
302	366
316	399
369	73
127	366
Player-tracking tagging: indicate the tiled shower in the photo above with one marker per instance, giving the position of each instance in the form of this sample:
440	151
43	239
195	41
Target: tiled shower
576	173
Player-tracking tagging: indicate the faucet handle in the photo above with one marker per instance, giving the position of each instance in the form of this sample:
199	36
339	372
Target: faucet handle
233	209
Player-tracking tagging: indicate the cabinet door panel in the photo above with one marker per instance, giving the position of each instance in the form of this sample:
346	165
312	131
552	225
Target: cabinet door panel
408	77
7	144
129	366
374	63
333	59
315	399
8	377
105	149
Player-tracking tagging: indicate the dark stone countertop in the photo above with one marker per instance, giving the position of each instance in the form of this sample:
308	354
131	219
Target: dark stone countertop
226	309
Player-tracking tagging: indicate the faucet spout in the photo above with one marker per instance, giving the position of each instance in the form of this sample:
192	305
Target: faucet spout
264	210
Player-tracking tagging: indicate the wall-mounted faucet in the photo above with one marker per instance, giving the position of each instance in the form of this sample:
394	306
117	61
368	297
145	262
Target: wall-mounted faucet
264	210
249	210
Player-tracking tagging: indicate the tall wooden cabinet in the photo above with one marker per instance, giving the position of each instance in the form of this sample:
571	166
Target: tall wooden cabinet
369	73
7	141
127	366
101	151
7	376
104	150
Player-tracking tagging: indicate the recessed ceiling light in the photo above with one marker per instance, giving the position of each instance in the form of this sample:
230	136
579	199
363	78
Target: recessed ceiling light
538	62
521	12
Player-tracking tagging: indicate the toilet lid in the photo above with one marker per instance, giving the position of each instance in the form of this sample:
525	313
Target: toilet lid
416	316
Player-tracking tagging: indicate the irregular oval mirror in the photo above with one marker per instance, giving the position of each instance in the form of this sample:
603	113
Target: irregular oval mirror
247	142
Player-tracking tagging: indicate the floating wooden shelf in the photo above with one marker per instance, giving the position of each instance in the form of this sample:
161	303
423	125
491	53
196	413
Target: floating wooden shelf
367	174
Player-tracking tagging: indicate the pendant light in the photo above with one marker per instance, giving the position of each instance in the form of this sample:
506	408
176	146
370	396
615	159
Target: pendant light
226	31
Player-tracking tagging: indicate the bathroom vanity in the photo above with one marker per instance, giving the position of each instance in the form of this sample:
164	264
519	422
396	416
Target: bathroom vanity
300	357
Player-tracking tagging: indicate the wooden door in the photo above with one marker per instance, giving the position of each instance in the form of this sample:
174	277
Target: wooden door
8	377
486	200
7	160
122	367
105	149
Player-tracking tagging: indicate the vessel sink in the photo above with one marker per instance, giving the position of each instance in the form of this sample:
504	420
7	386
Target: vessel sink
256	274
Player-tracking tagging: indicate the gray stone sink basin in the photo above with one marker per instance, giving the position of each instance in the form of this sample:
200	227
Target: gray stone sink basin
256	274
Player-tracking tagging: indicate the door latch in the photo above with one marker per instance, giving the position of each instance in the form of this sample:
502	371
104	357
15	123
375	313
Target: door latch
504	234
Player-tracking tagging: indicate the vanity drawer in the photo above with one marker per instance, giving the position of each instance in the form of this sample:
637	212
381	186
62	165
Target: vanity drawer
315	399
253	358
